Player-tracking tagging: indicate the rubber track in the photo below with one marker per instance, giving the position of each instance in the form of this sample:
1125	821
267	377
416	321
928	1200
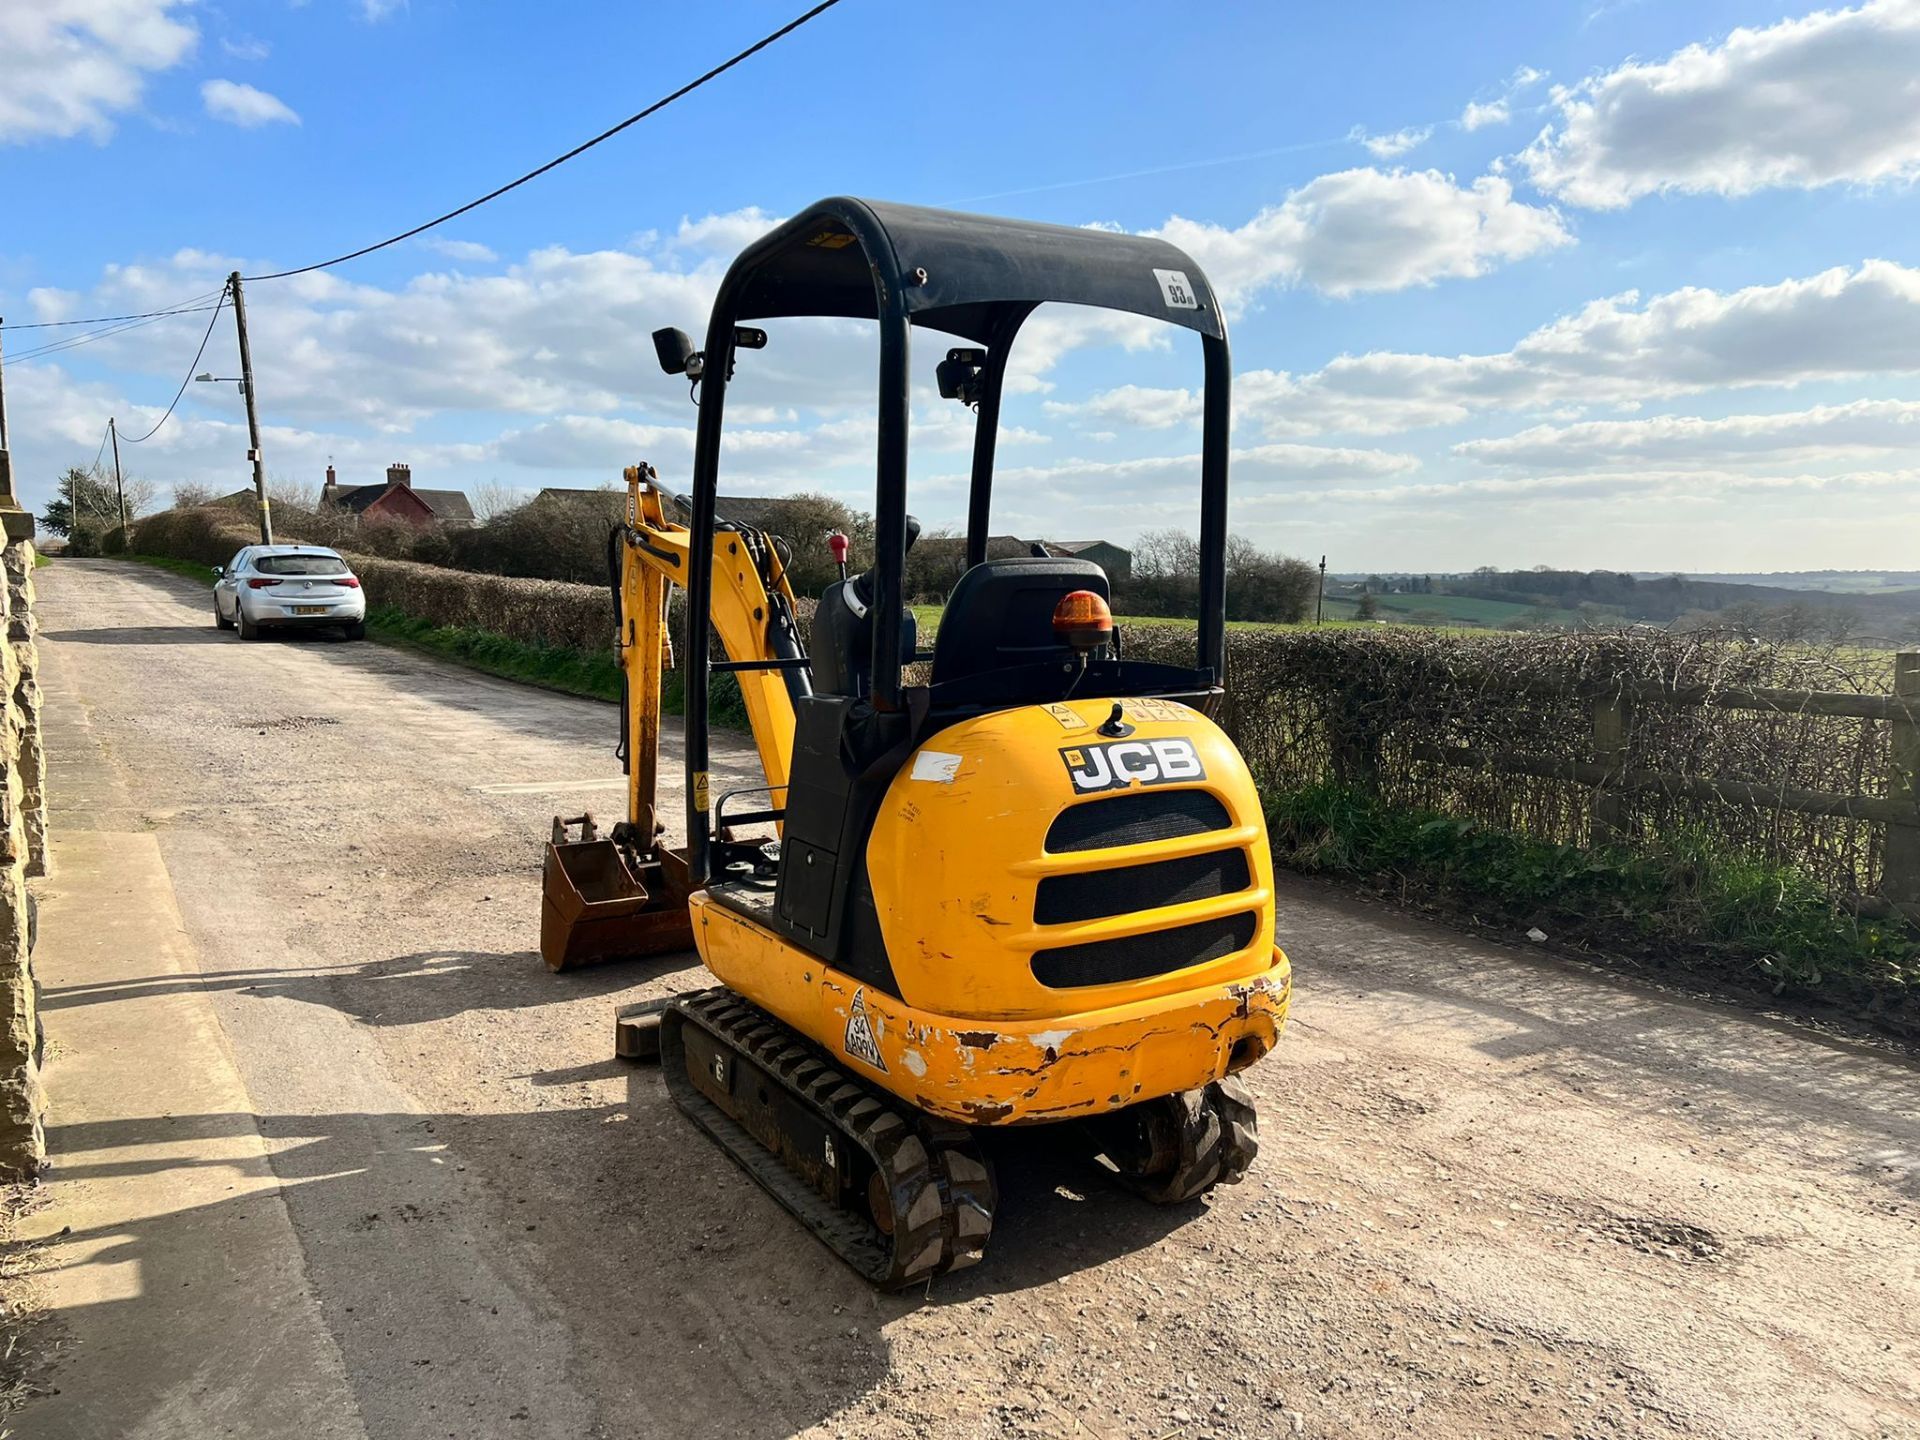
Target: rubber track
942	1189
1219	1138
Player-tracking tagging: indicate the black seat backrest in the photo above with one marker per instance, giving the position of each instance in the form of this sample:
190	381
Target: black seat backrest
1001	614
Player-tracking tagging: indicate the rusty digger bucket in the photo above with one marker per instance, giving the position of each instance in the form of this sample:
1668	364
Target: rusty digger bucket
600	900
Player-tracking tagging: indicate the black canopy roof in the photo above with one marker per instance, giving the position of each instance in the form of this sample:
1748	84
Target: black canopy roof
960	273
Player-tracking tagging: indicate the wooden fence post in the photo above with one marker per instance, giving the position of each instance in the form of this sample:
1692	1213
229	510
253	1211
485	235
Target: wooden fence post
1900	874
1607	811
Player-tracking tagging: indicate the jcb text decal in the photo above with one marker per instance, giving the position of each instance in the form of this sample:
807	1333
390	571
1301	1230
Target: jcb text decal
1132	762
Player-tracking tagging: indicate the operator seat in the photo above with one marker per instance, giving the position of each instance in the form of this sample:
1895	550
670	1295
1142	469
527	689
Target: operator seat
1001	614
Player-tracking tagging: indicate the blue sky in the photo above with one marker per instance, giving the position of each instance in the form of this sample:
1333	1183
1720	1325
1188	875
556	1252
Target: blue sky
1622	284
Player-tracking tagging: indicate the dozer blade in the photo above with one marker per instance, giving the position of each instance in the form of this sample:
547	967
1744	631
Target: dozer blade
594	908
898	1195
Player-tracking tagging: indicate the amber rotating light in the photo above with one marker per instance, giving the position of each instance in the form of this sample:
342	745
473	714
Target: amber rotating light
1083	621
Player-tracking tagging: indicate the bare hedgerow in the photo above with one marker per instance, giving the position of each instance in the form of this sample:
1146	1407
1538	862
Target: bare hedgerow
1366	706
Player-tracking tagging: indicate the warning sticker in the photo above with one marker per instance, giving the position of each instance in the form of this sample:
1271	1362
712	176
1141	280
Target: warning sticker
1068	717
1158	710
937	766
1177	290
860	1042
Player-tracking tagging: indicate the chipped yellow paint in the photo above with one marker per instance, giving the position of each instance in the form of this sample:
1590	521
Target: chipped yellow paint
1009	1072
972	1034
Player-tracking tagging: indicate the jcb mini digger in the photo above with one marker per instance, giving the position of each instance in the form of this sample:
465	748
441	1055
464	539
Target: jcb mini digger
1034	889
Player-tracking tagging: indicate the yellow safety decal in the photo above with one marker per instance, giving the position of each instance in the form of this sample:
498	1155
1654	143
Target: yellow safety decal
1067	717
831	240
1157	710
701	780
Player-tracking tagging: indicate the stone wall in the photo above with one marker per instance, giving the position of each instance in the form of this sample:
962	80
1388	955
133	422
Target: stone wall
23	852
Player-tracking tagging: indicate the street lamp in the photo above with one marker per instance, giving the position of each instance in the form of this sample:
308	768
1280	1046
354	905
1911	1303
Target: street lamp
223	379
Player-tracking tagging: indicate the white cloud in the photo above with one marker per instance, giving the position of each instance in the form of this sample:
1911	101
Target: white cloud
1134	405
1823	99
245	48
1368	229
1478	116
1824	432
1498	111
243	105
1838	324
724	234
470	250
1390	147
69	68
1253	466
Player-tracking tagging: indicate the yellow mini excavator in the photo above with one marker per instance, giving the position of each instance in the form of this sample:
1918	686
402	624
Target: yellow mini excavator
1019	879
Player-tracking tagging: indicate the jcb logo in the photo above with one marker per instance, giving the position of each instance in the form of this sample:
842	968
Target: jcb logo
1132	762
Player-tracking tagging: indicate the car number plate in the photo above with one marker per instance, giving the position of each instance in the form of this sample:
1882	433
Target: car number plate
310	609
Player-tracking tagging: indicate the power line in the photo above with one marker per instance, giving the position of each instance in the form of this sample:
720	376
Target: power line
559	160
188	377
74	342
182	308
102	450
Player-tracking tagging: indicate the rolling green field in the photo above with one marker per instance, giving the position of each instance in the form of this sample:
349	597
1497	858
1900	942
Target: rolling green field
1443	612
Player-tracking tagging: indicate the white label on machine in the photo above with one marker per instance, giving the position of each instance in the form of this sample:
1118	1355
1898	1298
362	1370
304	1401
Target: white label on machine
937	766
860	1041
1178	289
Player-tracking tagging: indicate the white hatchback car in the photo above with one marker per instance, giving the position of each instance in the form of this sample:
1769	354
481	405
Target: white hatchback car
291	585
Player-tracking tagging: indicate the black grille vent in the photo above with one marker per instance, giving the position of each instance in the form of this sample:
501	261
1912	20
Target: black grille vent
1135	819
1065	898
1110	962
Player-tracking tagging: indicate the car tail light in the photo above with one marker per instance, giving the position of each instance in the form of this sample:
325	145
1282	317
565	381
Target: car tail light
260	584
346	580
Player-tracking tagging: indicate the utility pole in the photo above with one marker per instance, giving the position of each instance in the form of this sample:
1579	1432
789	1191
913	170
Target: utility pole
118	488
1320	601
253	415
3	393
6	460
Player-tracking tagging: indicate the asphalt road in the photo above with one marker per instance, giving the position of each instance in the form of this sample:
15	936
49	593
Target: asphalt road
1499	1194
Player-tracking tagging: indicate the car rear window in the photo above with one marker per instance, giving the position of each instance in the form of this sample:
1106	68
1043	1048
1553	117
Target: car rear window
300	565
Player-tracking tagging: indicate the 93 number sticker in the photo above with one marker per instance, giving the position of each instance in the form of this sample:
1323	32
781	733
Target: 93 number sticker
1177	290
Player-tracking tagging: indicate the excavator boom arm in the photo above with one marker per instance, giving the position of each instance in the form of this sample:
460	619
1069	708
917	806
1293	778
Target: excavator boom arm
753	614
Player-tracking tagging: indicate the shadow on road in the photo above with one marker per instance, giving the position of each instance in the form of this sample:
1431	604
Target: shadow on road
410	989
141	635
684	1296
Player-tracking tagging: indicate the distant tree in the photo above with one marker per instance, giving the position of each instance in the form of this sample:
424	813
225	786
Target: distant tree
87	499
189	494
1262	585
1166	574
934	566
804	522
1837	624
1369	607
493	498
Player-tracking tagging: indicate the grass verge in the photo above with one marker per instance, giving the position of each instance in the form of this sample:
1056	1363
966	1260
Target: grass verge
192	569
593	673
574	672
1721	917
